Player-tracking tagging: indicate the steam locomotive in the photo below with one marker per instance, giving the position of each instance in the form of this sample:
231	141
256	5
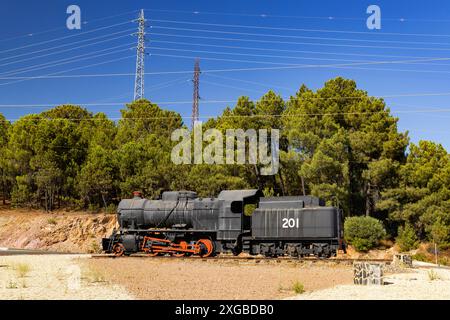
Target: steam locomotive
182	224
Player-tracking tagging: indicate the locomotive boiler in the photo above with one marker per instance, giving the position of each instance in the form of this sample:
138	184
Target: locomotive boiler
182	224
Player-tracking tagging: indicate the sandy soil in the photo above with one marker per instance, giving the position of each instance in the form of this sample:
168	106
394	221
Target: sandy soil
148	278
414	285
52	277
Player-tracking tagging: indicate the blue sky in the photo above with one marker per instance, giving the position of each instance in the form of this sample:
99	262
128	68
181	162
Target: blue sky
179	31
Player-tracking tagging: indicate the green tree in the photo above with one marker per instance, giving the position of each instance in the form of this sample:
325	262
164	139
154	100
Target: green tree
5	175
144	147
421	198
96	178
348	145
364	233
407	238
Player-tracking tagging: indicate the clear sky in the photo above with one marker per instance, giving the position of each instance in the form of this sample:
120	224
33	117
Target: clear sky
232	34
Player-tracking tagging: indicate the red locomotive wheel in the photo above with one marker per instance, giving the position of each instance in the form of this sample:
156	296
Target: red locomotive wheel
118	250
153	254
184	246
206	247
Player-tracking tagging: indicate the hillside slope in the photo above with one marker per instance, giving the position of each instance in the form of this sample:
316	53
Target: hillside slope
77	232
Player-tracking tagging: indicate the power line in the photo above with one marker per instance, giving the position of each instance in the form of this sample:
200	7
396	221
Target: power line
151	89
249	82
31	34
402	95
52	64
65	37
299	43
222	59
252	55
294	115
73	69
274	56
72	47
265	15
293	66
289	51
285	67
301	29
291	36
232	87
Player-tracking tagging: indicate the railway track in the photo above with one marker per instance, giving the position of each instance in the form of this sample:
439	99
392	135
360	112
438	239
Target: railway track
22	252
246	259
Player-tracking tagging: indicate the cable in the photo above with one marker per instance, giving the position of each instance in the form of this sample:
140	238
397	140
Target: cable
274	56
308	65
66	45
66	60
150	89
286	36
298	43
310	30
294	66
65	37
289	51
296	115
427	94
73	69
248	81
231	87
254	55
222	59
264	15
31	34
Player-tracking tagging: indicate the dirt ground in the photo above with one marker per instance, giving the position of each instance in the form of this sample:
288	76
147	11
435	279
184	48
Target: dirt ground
147	278
421	283
54	277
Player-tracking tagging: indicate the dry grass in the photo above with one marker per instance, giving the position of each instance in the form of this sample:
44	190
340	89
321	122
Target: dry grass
433	275
22	269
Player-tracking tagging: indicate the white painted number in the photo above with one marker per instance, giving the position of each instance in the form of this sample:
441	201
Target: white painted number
290	223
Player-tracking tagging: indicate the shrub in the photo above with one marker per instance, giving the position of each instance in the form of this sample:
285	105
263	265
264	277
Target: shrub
419	256
298	287
407	238
440	234
364	233
111	209
52	221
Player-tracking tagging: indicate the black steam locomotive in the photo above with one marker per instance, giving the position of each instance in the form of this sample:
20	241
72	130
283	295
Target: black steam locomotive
182	224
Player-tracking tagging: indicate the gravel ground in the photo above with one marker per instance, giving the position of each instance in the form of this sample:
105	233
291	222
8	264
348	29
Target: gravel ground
148	278
51	277
414	285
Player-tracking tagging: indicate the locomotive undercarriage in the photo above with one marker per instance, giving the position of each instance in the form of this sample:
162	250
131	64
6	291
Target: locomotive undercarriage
180	243
161	242
293	249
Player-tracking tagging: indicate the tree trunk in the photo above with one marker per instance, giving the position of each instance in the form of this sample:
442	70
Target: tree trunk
283	192
104	201
303	185
368	203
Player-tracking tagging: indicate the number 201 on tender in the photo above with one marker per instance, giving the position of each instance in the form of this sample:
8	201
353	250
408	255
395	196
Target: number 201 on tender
290	223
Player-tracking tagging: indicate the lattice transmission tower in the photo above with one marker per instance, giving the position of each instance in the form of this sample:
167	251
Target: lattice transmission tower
140	58
196	97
